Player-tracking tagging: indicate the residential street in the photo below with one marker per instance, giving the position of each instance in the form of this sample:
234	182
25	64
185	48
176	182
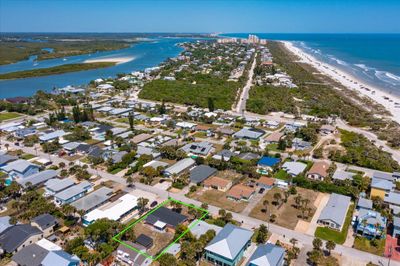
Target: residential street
241	105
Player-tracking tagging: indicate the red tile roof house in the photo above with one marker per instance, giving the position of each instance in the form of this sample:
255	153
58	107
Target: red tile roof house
319	171
240	192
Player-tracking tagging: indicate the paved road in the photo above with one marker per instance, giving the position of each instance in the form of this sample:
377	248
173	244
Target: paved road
241	106
247	222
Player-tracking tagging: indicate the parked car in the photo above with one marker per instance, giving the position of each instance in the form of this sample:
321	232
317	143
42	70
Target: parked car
153	204
261	190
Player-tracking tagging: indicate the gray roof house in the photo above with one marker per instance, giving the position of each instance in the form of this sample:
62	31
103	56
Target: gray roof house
93	200
199	228
343	175
14	237
20	168
201	173
335	211
294	168
4	223
38	178
44	221
199	148
383	175
267	254
72	193
56	185
130	256
31	255
249	133
60	258
228	245
179	167
52	135
382	184
224	154
364	203
6	158
393	198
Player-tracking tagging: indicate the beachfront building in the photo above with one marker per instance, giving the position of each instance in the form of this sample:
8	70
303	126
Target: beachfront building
228	246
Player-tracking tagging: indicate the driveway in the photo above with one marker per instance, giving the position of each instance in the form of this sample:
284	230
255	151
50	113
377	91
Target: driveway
320	203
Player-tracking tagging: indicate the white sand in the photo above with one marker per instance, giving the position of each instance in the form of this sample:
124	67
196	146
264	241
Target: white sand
118	60
384	98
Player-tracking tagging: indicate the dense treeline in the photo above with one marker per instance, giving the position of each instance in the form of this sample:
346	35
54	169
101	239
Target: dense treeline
194	90
360	151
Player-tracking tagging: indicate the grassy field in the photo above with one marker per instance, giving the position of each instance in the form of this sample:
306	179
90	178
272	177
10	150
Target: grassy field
55	70
218	198
287	215
364	244
8	115
333	235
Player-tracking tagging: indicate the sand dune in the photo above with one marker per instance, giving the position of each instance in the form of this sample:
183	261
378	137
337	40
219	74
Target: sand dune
118	60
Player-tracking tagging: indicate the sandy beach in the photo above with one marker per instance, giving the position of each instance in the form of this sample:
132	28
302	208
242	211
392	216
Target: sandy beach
386	99
117	60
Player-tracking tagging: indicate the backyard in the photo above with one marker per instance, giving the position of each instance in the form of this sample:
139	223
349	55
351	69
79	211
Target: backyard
376	246
219	199
287	214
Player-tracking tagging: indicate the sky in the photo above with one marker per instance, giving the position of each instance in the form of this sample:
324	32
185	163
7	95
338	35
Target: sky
275	16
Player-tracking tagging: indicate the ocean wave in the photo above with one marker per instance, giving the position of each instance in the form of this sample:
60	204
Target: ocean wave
340	62
388	77
364	67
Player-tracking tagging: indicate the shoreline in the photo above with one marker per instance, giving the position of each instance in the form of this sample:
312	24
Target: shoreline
350	82
116	60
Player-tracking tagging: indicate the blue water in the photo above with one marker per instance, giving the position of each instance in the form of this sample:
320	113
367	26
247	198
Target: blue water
373	58
146	54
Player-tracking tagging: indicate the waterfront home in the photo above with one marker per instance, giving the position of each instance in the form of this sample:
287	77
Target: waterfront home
46	223
114	211
334	213
165	219
217	183
267	164
56	185
198	148
201	173
381	187
319	171
370	224
228	246
179	167
72	193
240	192
37	179
267	254
16	237
294	168
249	133
93	199
20	169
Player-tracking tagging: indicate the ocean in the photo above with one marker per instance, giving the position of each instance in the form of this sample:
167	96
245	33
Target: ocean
373	58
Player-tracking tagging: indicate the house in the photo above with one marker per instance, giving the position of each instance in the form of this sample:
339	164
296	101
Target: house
265	182
60	258
267	254
371	224
19	236
294	126
117	157
266	164
46	223
198	148
20	169
51	136
218	183
186	125
223	155
56	185
249	133
225	131
38	178
248	156
142	150
364	204
24	132
343	175
327	129
294	168
156	164
201	173
144	241
199	228
381	187
240	192
31	255
93	199
319	171
396	227
179	167
4	223
131	257
72	193
393	199
334	213
228	246
274	137
383	176
114	211
6	158
165	219
301	145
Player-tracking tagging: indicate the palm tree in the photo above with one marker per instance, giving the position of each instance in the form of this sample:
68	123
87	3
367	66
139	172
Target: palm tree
293	241
298	199
330	245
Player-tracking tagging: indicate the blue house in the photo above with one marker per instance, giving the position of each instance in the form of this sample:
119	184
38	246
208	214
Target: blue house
268	254
20	169
371	224
228	246
72	193
60	258
266	164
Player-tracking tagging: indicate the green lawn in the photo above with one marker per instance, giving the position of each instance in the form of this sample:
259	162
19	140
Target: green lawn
364	244
122	120
27	156
8	115
273	147
281	174
333	235
115	171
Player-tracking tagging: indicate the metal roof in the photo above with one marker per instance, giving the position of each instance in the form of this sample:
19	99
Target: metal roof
93	199
336	209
